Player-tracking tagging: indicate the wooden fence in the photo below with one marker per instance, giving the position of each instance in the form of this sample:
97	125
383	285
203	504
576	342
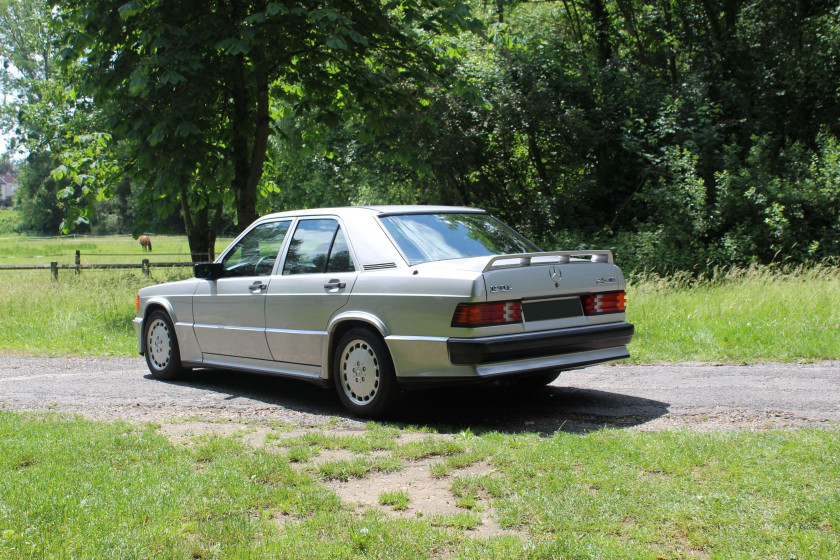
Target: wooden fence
145	265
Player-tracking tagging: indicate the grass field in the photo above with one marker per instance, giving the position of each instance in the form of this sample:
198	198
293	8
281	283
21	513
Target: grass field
71	488
22	249
740	316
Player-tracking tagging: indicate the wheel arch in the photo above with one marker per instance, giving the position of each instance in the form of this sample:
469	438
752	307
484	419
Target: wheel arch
152	306
340	325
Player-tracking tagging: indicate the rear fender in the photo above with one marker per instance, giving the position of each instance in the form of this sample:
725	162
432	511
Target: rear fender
357	317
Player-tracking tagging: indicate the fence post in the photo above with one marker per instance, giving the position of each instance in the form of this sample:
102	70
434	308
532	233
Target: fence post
54	270
78	261
146	268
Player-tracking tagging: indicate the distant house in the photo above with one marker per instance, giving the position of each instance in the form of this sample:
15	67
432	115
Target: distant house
8	184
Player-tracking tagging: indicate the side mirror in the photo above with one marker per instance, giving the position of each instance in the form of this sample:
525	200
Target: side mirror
208	271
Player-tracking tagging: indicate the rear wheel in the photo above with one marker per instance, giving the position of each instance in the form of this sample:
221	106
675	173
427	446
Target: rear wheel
364	374
162	353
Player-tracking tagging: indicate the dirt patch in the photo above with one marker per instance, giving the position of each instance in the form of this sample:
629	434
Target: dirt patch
187	433
428	496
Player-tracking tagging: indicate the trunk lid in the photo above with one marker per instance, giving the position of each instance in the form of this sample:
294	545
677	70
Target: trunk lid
550	285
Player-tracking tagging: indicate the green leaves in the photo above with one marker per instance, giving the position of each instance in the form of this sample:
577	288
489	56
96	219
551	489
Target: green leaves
172	77
186	128
337	43
233	46
130	9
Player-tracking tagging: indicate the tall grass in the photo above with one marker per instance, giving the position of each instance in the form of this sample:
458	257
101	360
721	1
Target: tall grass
738	315
88	314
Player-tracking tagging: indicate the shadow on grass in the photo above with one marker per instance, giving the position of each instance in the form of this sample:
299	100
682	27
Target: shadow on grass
479	408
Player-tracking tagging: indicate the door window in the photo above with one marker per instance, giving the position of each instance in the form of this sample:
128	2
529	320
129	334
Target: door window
254	254
318	246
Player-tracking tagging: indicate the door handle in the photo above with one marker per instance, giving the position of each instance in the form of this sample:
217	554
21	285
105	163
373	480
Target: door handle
333	284
257	286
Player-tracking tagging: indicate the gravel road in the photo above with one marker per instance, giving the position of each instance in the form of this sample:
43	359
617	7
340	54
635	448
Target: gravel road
687	395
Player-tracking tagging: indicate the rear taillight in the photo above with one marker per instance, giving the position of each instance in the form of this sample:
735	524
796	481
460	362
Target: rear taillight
612	302
487	314
137	304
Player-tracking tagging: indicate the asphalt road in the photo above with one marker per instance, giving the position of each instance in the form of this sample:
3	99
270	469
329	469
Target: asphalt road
694	396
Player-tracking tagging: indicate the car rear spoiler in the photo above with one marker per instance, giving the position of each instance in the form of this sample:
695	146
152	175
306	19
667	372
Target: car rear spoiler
548	258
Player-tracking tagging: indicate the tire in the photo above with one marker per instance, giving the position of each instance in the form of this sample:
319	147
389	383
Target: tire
162	354
364	373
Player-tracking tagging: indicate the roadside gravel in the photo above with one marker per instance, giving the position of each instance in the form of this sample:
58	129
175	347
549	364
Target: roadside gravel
668	396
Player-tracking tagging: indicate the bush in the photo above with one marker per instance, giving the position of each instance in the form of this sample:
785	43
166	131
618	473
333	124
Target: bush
9	220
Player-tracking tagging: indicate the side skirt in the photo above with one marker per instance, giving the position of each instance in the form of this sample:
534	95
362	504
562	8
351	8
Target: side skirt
303	372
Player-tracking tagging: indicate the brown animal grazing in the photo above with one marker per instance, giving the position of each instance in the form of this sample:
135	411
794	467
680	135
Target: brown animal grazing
145	242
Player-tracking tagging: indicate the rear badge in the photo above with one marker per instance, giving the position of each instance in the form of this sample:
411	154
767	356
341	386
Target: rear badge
608	280
556	275
503	288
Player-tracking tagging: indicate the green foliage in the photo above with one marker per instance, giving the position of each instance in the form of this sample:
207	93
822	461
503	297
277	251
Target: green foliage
664	130
187	101
9	221
687	134
37	195
28	68
781	203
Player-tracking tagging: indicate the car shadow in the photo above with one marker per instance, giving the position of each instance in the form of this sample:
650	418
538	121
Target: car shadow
477	408
543	410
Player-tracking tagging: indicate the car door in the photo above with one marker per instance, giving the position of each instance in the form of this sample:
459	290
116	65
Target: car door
230	311
317	276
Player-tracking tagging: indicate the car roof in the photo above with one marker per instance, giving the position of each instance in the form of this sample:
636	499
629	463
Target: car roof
381	210
372	247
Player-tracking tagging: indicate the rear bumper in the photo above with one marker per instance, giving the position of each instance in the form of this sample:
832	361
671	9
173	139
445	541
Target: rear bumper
520	346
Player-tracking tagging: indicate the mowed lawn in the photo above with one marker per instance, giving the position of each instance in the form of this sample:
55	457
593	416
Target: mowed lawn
71	488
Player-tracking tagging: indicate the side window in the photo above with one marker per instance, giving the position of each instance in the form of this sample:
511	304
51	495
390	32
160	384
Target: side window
340	259
318	246
255	253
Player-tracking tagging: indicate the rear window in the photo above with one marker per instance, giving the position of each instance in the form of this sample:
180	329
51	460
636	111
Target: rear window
436	237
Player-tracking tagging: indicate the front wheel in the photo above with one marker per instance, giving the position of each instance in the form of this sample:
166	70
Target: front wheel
364	374
162	353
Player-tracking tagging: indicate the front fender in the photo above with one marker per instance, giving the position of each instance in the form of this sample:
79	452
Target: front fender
149	305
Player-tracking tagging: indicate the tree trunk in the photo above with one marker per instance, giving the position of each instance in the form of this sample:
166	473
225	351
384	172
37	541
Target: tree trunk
201	231
249	156
603	31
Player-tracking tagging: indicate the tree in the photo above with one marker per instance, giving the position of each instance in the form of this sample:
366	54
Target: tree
36	108
26	54
188	86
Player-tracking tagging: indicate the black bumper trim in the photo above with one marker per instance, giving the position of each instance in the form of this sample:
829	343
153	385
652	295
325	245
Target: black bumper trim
490	349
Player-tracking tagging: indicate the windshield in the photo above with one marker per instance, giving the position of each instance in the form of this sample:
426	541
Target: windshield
437	237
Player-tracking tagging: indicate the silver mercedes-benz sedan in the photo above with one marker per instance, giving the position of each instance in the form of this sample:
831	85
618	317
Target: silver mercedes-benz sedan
374	299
